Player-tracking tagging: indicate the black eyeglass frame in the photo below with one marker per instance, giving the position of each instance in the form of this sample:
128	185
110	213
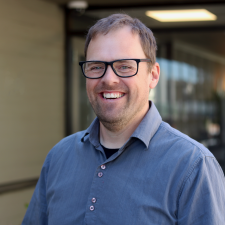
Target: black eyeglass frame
111	64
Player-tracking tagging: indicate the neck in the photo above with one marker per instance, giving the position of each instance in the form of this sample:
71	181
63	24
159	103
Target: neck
117	137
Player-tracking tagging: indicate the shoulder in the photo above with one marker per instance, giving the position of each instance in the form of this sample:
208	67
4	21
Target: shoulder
176	139
66	142
65	147
182	155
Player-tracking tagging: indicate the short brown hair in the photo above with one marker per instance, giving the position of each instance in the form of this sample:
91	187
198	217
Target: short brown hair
115	21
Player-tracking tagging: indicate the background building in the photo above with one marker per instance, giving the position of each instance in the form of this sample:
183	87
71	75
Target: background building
42	90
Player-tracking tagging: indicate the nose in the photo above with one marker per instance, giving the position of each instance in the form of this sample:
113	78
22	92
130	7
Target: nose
110	77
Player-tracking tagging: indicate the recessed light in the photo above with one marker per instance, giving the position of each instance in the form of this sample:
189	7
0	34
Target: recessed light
78	5
182	15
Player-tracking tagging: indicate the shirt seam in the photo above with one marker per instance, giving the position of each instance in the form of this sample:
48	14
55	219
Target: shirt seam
190	171
201	156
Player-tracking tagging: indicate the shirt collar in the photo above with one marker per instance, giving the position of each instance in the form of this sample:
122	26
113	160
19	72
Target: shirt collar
148	126
144	132
92	133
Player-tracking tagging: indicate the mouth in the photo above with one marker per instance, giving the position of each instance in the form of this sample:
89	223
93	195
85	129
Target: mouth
112	95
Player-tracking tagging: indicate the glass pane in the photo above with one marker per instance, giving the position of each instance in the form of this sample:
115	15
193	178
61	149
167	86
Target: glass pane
85	110
82	113
189	95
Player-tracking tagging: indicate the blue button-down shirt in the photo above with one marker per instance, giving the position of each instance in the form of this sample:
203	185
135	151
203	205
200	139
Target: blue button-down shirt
160	176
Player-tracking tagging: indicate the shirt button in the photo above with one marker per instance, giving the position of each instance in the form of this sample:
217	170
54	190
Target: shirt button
92	208
93	200
100	174
103	167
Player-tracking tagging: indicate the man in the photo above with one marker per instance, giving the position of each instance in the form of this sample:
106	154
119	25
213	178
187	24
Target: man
128	167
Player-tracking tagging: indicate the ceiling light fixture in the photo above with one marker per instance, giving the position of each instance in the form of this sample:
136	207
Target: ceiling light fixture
78	5
181	15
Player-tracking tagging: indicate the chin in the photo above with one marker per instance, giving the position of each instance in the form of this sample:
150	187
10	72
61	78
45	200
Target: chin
109	119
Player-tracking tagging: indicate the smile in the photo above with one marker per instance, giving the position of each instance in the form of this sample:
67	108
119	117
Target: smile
112	95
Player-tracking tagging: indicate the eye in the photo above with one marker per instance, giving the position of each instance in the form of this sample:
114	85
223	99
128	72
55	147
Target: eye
125	67
96	68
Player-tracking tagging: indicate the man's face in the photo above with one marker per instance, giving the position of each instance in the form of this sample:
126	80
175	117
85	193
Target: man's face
119	101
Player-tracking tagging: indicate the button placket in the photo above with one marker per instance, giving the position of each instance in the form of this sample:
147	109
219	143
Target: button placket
94	200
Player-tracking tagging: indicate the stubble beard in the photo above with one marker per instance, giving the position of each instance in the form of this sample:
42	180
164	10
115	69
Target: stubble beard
118	122
113	123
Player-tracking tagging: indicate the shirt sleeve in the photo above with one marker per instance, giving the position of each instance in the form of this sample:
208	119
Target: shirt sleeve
37	210
202	197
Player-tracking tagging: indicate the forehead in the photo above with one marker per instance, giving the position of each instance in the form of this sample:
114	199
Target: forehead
116	44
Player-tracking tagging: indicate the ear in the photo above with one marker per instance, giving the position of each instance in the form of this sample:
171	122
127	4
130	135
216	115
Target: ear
155	73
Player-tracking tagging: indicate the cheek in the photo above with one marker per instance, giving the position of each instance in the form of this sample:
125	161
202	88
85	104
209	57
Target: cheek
88	88
144	88
143	83
144	78
90	84
138	89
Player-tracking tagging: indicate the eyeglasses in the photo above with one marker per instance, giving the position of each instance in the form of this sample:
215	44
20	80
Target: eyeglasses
121	67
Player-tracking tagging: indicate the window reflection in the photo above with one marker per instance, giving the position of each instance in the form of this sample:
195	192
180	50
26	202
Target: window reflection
188	96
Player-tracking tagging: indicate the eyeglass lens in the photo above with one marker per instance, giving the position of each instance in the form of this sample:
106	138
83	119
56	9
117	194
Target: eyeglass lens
122	68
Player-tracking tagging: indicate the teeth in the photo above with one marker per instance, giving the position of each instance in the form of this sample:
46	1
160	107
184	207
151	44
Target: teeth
112	95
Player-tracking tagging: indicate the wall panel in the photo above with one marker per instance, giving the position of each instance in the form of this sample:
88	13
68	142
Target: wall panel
31	85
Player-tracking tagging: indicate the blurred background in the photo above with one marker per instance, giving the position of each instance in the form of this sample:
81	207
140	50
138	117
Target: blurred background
42	90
